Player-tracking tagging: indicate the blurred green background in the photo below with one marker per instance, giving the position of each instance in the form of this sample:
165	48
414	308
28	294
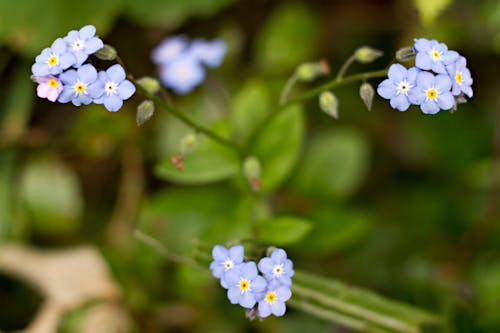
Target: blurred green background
402	203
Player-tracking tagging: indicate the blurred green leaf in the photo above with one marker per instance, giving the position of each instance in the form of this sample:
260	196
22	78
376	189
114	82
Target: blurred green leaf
278	146
335	164
52	195
487	283
482	175
289	37
430	10
282	230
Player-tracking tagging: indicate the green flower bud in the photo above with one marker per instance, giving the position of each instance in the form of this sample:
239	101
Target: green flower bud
108	52
366	54
189	143
405	54
366	92
329	103
145	111
251	168
310	71
151	85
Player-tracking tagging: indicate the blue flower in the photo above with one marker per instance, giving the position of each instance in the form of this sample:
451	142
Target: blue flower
244	285
116	88
210	53
274	300
396	88
80	86
277	267
432	93
53	60
460	77
183	74
169	49
83	43
225	260
431	55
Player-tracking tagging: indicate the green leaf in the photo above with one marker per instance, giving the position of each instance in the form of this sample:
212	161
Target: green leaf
251	104
278	146
52	195
335	164
289	38
430	10
282	230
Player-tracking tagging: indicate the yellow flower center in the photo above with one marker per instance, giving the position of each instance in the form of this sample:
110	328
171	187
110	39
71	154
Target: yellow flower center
53	83
431	93
52	61
244	285
436	55
271	297
80	87
458	77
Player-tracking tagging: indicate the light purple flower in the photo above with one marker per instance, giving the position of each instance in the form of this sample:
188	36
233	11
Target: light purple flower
169	49
53	60
49	87
225	260
432	93
82	43
244	285
460	77
183	74
432	55
80	86
277	267
396	87
210	53
273	301
116	88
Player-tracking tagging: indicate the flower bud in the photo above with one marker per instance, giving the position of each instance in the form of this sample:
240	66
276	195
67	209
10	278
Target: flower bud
405	54
366	92
329	103
366	54
252	172
145	111
108	52
189	143
151	85
310	71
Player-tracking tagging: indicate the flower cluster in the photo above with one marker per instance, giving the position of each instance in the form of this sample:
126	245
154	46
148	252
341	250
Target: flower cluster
62	74
263	295
181	62
439	80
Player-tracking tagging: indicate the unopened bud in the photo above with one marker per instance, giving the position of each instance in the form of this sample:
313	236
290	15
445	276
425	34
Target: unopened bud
252	172
405	54
107	52
145	111
366	54
178	161
151	85
329	103
189	143
310	71
366	92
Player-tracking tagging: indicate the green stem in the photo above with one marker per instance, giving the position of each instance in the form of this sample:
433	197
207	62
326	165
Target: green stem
344	67
288	87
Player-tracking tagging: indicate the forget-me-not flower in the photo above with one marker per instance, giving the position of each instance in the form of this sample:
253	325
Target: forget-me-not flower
460	77
244	285
210	53
273	301
116	88
83	43
169	50
432	55
432	93
225	260
183	74
49	87
396	87
81	86
277	267
53	60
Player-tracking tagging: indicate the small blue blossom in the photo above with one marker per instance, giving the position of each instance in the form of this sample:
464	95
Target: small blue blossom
83	43
183	74
460	77
53	60
432	55
116	88
277	267
225	260
273	301
81	86
245	285
432	93
397	86
169	49
210	53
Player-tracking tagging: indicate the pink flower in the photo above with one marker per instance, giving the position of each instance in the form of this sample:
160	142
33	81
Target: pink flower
49	87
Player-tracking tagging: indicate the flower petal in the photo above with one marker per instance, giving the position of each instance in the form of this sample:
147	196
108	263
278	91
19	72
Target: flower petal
236	253
386	89
87	32
264	309
397	72
400	102
278	308
446	101
87	73
266	266
93	45
430	107
219	253
113	103
234	295
247	300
